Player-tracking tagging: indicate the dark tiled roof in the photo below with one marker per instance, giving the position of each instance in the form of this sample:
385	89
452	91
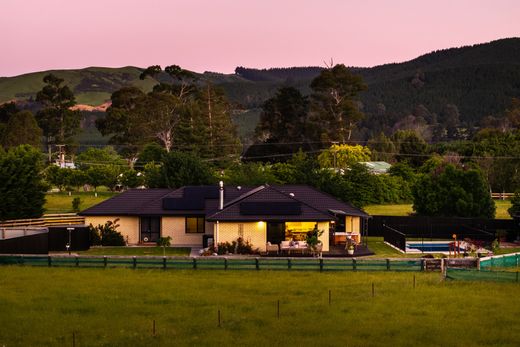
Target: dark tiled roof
231	212
315	205
148	202
130	202
320	200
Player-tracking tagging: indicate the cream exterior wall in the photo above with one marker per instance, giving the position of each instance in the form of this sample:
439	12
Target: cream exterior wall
128	226
353	225
254	232
324	238
175	227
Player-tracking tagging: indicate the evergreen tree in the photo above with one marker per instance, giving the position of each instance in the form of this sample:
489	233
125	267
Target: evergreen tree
21	128
335	108
58	122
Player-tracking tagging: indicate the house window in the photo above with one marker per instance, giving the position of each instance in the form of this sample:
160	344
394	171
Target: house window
195	225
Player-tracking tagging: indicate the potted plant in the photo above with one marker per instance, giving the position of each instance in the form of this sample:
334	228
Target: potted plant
350	249
313	240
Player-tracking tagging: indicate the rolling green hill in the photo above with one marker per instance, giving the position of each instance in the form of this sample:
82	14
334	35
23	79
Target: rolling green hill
479	80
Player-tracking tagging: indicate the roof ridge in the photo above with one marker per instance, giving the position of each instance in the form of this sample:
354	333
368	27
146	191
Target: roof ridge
240	198
243	196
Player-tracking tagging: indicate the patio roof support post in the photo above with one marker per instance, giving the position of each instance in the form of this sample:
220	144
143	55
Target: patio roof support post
215	235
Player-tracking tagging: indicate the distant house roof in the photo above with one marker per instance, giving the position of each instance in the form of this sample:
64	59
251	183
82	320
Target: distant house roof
276	202
377	167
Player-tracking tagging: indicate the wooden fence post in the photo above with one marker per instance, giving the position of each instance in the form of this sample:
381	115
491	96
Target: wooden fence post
164	263
321	264
354	264
194	263
49	260
225	264
77	261
289	264
105	261
387	264
257	263
134	262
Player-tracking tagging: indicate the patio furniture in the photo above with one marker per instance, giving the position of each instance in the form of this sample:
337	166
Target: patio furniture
293	246
269	247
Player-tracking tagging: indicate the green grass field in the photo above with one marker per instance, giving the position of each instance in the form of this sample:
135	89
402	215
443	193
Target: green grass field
137	251
406	209
62	202
117	307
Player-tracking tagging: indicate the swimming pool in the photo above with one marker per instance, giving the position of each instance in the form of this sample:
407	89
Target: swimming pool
429	247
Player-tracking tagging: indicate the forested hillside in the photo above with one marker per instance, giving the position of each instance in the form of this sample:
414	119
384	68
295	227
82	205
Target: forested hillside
463	85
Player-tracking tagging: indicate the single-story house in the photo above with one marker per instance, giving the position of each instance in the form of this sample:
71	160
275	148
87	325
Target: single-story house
193	214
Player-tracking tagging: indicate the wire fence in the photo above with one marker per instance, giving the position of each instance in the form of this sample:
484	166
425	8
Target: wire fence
172	263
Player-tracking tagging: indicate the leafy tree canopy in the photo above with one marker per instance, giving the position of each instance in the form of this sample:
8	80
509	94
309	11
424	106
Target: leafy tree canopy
452	191
343	156
22	189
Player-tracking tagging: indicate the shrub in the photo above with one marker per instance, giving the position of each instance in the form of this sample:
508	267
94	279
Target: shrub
235	247
106	235
76	202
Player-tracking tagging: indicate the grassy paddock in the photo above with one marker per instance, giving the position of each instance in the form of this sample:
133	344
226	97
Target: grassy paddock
62	202
116	307
406	209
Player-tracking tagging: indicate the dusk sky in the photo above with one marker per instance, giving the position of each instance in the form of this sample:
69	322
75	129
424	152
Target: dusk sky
218	35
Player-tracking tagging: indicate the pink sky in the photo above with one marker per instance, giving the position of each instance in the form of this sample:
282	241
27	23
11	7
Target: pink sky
218	35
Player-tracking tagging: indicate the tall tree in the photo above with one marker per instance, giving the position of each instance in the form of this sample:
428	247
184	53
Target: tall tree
179	169
58	122
20	129
335	107
125	121
283	125
22	189
412	148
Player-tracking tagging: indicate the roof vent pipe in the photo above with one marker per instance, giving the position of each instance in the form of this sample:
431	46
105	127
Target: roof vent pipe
221	200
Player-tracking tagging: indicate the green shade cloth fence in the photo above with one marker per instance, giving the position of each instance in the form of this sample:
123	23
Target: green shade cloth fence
482	275
501	261
299	264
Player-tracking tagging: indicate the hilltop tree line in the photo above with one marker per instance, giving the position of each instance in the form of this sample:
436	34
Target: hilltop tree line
181	133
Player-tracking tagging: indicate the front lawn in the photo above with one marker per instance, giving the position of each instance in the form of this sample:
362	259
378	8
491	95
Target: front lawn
117	307
137	251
